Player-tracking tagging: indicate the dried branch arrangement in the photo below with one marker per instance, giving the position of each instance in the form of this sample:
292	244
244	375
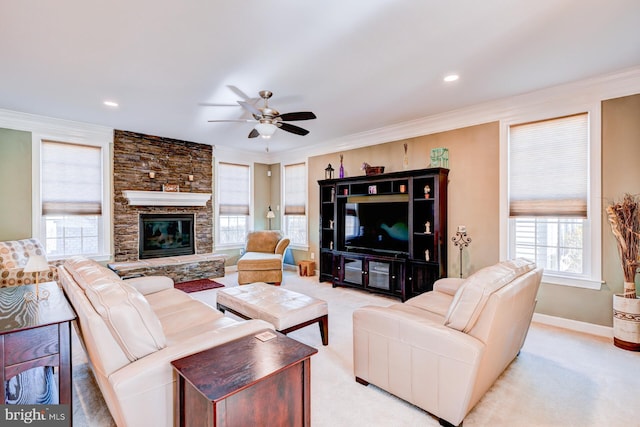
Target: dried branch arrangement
624	218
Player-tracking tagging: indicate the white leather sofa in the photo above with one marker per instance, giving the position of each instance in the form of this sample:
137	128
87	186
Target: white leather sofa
442	350
132	330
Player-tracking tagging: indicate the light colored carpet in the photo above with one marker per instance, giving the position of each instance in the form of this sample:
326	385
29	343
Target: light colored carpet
560	378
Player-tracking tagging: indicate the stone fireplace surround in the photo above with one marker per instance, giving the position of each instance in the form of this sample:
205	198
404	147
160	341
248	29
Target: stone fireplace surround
172	161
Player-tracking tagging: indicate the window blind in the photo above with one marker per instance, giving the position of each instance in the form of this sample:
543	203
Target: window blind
548	167
295	189
233	189
71	179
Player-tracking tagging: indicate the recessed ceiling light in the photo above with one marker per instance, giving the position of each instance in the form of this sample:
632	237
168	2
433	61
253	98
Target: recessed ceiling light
110	103
451	78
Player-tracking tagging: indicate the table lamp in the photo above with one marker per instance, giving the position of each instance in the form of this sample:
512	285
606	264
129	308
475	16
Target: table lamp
36	264
270	215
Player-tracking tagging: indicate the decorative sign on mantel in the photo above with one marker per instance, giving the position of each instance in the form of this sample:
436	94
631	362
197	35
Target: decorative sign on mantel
165	198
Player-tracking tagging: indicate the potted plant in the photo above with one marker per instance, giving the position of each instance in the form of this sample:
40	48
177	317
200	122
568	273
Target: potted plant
624	218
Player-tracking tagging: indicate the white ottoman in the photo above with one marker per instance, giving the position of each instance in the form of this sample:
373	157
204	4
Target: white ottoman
285	310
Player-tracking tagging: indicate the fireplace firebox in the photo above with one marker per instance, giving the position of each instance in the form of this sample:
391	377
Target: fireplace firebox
164	235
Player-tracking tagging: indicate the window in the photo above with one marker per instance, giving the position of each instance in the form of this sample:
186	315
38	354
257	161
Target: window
234	192
295	197
549	188
71	201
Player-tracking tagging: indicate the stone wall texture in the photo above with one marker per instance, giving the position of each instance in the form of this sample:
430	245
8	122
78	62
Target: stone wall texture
172	161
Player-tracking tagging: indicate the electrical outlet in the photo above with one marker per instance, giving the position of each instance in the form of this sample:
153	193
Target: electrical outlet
313	255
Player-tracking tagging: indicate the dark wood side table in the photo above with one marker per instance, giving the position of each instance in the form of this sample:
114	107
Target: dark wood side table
246	382
34	334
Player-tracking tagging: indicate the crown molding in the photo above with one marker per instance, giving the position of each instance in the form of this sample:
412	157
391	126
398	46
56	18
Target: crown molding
52	127
595	89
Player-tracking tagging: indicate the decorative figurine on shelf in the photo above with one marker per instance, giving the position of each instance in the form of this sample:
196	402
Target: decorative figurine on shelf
427	190
328	172
341	173
426	255
427	228
331	245
330	223
405	160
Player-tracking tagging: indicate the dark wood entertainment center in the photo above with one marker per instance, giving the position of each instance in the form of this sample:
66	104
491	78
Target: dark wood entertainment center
399	247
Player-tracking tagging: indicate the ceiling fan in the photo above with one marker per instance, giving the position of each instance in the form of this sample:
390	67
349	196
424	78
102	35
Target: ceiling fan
269	119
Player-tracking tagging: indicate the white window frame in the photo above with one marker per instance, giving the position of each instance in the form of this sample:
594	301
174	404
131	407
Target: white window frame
72	135
299	246
238	245
592	245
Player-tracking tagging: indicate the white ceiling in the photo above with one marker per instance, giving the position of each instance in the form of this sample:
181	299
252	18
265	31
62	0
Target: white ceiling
357	65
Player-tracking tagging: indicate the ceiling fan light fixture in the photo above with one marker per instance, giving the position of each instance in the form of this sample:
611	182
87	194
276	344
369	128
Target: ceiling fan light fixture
266	130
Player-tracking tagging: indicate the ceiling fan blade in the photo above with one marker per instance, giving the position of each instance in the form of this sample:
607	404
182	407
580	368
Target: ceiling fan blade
232	120
300	115
254	133
250	108
292	128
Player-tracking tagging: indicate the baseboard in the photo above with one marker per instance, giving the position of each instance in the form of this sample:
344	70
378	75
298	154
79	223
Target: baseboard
574	325
234	268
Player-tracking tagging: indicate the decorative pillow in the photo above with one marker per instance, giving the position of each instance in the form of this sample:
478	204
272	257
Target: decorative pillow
128	316
471	297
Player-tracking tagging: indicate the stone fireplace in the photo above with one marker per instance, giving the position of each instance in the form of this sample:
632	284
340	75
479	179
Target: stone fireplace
177	163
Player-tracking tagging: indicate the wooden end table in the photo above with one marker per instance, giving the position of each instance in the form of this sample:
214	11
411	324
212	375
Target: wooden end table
246	382
307	268
34	334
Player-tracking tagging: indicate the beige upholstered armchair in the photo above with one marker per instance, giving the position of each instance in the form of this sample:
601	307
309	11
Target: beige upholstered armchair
444	349
14	255
262	258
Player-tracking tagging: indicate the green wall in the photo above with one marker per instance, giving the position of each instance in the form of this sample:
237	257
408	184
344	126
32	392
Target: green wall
15	190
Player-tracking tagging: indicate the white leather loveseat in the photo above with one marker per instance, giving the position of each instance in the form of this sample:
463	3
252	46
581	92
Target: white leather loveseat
443	350
133	329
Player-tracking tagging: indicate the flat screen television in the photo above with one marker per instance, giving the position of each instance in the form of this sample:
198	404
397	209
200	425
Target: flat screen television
378	224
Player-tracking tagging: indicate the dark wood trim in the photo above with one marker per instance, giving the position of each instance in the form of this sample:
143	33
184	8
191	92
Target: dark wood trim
626	345
361	381
322	321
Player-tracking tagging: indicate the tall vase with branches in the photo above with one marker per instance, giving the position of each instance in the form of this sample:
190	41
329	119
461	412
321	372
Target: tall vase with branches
624	218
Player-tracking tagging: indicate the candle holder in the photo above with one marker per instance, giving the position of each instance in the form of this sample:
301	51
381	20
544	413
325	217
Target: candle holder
462	241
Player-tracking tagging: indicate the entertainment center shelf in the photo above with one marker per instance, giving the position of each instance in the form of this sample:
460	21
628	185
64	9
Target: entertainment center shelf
385	233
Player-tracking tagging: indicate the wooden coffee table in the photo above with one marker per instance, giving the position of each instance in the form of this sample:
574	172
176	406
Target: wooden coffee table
246	382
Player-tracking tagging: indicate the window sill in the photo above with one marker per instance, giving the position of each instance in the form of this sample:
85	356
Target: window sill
572	281
299	247
98	258
229	246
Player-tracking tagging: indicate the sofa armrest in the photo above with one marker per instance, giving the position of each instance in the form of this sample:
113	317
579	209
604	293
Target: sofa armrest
417	359
282	246
150	284
145	388
448	285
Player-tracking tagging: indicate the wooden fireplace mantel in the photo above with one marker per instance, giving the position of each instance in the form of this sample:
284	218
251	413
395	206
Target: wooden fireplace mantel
165	198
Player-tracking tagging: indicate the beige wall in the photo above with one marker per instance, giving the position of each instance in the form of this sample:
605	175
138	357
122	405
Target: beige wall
15	190
473	185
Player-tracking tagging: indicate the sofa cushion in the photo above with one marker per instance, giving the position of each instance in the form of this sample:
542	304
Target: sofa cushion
472	296
128	316
433	302
86	271
260	261
263	241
